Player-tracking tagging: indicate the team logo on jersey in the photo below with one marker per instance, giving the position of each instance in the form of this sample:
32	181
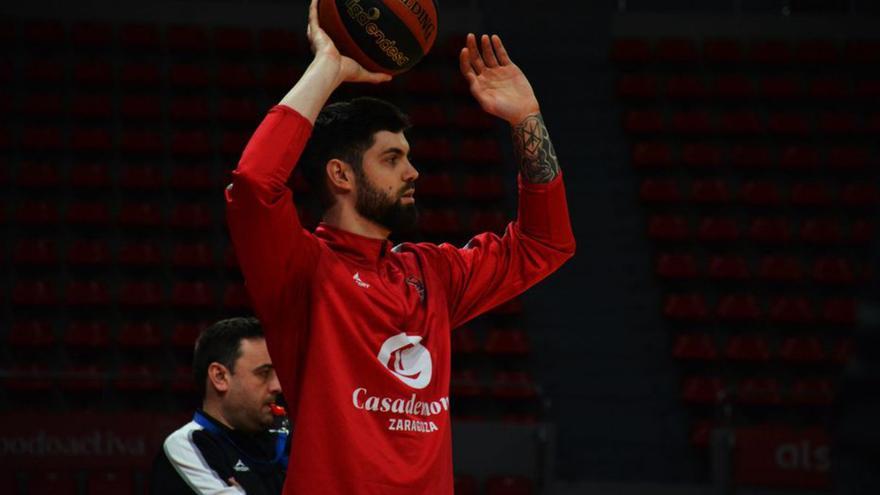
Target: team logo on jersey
240	466
361	283
417	285
409	360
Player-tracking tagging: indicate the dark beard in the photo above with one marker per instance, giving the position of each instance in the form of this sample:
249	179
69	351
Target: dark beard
390	213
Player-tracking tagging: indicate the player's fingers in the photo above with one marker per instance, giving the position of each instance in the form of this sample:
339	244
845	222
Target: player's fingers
488	53
474	54
464	62
313	15
500	51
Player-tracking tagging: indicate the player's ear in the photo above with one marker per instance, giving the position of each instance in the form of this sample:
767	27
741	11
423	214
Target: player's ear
340	175
218	377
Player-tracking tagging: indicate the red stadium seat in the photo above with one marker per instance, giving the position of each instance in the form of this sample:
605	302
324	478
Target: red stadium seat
770	230
709	191
802	350
739	308
630	50
139	36
659	191
867	89
184	335
776	88
758	391
191	143
141	294
192	177
728	267
53	34
235	296
43	104
751	157
483	187
677	266
701	433
38	175
31	334
687	307
145	75
677	50
95	213
747	348
190	76
703	390
88	334
440	185
187	38
637	86
723	50
83	378
35	252
862	51
464	341
93	73
466	485
652	154
686	88
182	380
509	341
793	310
817	51
280	77
281	42
786	123
701	155
138	378
193	255
843	350
810	194
861	231
236	76
770	52
232	40
91	140
44	71
440	222
90	175
488	221
860	195
88	293
838	123
829	88
812	392
740	122
88	252
668	228
140	215
434	83
139	335
141	107
692	122
233	143
141	142
780	269
239	110
34	293
509	485
465	383
761	193
839	311
86	34
732	87
140	254
42	139
694	346
433	150
718	229
110	483
190	109
36	213
833	271
513	385
192	295
54	482
821	231
643	122
191	216
32	377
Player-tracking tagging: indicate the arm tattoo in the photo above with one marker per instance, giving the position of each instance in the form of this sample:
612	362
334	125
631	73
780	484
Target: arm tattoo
534	151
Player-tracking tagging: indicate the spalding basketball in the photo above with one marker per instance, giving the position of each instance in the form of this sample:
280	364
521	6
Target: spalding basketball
388	36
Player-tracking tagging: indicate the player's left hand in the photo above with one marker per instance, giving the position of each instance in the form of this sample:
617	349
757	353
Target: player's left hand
498	84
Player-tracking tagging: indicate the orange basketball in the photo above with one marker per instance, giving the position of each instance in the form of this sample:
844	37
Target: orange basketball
389	36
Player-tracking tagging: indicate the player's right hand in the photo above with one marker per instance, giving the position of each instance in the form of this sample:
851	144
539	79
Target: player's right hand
347	70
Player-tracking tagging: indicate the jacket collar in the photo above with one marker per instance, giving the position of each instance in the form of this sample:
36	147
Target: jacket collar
366	250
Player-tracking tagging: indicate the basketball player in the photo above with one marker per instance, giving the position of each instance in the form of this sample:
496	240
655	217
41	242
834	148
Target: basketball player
358	330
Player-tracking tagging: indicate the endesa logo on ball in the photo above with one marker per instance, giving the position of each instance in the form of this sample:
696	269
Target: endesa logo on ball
367	18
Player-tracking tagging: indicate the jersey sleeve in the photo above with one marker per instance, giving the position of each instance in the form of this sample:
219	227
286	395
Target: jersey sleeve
490	270
277	256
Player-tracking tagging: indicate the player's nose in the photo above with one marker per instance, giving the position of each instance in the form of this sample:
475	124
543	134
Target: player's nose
410	174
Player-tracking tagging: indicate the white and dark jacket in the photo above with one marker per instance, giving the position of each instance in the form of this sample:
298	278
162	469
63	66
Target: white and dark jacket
199	460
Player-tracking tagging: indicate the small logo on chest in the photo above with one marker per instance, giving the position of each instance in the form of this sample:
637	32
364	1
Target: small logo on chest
240	466
361	283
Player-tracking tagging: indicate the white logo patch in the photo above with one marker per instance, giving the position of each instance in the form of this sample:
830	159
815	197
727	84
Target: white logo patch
409	360
240	466
361	283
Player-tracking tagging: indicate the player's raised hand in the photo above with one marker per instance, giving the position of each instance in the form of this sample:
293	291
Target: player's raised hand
324	49
496	82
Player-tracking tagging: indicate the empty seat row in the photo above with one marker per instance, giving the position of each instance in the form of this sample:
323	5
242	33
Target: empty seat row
758	391
660	154
748	308
762	230
503	384
744	122
760	52
824	270
95	378
801	349
760	193
498	341
97	213
131	294
734	87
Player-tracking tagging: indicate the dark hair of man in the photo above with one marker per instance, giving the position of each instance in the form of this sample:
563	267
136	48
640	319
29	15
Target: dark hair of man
345	130
221	343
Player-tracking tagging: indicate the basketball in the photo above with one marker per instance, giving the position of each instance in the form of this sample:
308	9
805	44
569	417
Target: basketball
389	36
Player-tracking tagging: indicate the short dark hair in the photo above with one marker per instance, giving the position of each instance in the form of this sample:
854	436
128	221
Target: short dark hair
345	130
221	343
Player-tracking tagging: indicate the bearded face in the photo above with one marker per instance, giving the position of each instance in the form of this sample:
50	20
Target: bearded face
387	210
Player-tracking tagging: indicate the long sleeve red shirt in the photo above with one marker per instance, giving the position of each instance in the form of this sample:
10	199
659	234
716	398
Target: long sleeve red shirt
359	331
